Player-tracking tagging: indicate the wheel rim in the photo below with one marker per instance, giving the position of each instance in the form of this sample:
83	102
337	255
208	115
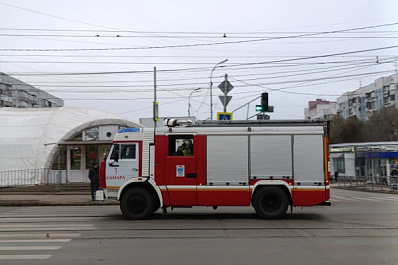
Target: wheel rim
271	202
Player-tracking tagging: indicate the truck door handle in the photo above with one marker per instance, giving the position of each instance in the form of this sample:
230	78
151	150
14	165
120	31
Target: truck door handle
112	165
191	175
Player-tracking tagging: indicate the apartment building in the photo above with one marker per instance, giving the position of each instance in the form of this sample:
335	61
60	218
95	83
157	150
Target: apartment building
17	94
360	103
320	109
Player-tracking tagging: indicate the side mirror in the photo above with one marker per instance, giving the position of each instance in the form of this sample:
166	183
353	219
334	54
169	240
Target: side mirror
115	156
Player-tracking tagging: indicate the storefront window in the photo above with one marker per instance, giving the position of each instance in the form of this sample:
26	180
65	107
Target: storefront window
76	158
92	155
339	164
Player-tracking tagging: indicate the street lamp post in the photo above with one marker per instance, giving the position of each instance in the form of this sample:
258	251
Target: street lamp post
189	100
211	88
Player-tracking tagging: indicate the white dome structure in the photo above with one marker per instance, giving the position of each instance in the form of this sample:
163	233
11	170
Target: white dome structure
31	138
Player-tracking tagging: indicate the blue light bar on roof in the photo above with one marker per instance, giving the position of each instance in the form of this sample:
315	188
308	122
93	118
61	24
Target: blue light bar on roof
129	130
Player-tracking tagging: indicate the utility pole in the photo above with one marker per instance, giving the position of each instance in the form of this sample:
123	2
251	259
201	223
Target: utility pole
155	103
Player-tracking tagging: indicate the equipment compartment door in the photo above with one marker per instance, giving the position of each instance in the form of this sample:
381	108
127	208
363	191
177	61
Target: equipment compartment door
309	175
227	172
181	169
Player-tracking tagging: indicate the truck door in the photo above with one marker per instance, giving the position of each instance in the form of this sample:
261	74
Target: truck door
122	164
181	169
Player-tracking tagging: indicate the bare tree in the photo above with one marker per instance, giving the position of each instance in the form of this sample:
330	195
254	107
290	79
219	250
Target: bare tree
336	127
350	130
383	125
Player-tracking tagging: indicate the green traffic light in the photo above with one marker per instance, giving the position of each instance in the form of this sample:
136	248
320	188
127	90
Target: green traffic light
259	108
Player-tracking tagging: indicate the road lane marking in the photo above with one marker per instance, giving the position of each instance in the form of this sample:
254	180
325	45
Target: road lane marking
385	199
366	199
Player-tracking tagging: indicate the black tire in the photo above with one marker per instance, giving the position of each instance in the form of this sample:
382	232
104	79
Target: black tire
270	203
156	206
137	204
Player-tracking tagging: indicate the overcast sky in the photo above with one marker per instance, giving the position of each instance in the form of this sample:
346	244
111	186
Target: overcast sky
102	54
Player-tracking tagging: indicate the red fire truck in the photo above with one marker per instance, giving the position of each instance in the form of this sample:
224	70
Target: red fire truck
269	165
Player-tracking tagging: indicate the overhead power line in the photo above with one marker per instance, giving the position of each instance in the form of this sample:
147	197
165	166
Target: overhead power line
230	66
203	44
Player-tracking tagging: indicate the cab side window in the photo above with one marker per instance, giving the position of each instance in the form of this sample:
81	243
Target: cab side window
128	151
181	145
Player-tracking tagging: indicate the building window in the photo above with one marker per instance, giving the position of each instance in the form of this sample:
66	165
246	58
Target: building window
92	155
91	134
75	158
338	163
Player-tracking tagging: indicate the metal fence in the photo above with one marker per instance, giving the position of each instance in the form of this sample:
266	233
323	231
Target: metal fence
372	182
25	177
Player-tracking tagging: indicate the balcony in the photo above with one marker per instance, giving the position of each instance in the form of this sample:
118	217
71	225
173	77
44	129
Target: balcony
33	100
4	103
23	104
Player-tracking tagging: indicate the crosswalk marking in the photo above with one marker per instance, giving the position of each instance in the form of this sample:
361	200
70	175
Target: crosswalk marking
49	226
23	257
38	220
30	248
38	235
4	227
46	228
35	240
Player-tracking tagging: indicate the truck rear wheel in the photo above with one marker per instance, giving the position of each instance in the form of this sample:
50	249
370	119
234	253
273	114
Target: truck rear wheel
137	204
270	203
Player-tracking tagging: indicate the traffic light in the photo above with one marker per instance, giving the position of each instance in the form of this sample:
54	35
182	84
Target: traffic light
259	108
264	101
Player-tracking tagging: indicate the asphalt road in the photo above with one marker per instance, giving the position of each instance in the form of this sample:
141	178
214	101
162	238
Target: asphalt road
359	228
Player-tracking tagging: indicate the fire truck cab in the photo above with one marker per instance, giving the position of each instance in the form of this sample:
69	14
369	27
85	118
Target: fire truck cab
269	165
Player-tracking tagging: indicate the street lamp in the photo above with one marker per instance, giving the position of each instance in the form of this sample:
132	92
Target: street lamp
189	101
211	88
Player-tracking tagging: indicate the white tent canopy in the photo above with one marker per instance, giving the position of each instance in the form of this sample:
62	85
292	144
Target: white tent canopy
29	138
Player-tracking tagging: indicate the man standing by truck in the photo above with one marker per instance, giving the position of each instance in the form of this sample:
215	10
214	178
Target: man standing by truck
93	175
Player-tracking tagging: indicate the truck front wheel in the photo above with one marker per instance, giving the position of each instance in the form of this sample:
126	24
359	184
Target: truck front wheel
270	203
137	204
